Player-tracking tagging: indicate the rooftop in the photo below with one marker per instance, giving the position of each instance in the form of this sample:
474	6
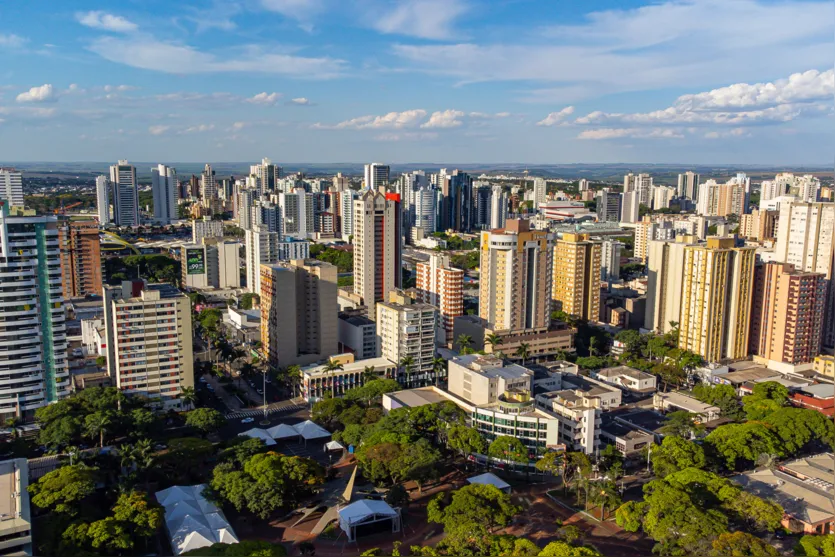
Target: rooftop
14	505
752	374
688	403
492	366
357	320
624	431
610	372
820	390
648	420
413	398
353	367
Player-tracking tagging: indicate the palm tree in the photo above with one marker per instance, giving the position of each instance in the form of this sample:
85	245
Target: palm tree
406	362
330	368
593	346
293	375
368	374
188	396
494	340
98	426
464	342
439	366
523	352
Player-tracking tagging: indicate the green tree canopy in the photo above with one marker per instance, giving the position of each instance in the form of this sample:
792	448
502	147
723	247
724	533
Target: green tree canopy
742	442
742	544
797	427
64	489
205	420
765	398
509	449
245	548
564	549
675	454
815	546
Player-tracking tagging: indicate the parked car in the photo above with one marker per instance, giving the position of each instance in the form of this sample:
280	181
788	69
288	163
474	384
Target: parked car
247	420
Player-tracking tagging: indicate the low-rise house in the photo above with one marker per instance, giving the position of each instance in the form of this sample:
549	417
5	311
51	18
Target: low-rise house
674	401
627	378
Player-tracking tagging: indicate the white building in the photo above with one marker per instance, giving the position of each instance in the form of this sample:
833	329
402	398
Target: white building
244	205
358	335
261	248
423	209
205	228
498	208
375	175
164	186
297	214
318	383
630	207
267	174
640	183
407	329
103	200
610	260
293	249
688	185
211	264
16	519
346	205
125	194
540	192
208	185
662	196
11	186
628	378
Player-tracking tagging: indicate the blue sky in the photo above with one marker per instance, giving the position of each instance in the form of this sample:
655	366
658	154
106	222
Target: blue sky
536	81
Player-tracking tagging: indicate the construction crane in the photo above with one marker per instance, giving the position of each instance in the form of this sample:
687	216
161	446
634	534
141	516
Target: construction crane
63	210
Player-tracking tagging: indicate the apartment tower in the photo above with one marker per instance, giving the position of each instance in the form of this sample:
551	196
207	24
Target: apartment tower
575	286
81	263
125	194
377	247
441	286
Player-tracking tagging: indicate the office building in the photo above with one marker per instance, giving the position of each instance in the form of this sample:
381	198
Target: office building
81	263
423	210
440	285
483	195
498	208
806	239
297	214
208	185
103	188
376	175
540	192
15	514
358	335
630	207
377	247
125	194
205	228
149	341
33	364
787	313
261	248
688	185
289	249
407	329
610	254
575	286
759	225
608	206
164	188
457	203
298	312
267	174
212	263
716	299
11	187
515	281
318	383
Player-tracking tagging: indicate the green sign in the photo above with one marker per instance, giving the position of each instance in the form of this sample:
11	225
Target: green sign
195	262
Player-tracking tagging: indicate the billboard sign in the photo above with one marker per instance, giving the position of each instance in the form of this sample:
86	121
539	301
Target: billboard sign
195	262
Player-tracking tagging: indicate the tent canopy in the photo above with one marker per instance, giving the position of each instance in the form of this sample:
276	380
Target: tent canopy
192	521
310	430
334	446
361	511
282	431
258	433
490	479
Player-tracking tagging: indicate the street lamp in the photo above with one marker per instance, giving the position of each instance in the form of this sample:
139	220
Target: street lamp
265	421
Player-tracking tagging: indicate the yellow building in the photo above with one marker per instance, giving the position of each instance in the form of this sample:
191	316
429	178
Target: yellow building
716	299
575	284
825	365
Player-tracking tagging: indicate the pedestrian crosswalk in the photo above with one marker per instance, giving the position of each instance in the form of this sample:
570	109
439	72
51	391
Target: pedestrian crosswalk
271	409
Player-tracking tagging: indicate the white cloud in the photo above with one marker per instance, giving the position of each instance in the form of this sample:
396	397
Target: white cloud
487	115
634	133
301	10
108	22
265	98
158	130
406	136
239	125
198	129
444	119
557	118
392	120
44	93
151	54
427	19
301	101
120	88
736	132
11	40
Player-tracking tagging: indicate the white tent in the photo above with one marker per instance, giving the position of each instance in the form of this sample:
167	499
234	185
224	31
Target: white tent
334	446
310	430
282	431
258	433
490	479
365	512
191	520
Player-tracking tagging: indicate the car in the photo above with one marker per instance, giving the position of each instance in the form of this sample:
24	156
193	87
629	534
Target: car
247	420
260	391
203	380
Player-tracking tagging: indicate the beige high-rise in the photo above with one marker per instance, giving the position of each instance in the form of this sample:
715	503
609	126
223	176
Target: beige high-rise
575	286
515	281
377	247
407	329
758	225
298	312
665	282
716	299
442	286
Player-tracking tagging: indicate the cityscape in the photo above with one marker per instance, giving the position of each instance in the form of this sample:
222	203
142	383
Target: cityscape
519	354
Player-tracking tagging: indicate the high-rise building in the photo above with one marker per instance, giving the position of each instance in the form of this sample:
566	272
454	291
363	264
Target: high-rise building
806	239
33	364
787	313
716	299
644	233
630	207
662	196
291	248
688	185
246	203
125	194
442	286
608	206
213	263
804	188
164	188
261	248
341	183
423	209
149	341
208	185
722	199
376	175
80	258
583	185
665	282
267	173
407	184
575	286
498	208
298	312
268	215
346	219
205	228
640	183
610	253
103	200
297	214
377	247
11	187
407	329
482	196
515	281
759	225
540	192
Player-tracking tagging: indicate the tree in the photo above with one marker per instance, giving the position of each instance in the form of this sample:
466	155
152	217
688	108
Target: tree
765	398
611	462
563	549
187	452
508	449
188	396
551	462
205	420
143	516
419	462
797	427
245	548
591	362
815	546
569	533
293	376
331	367
439	366
681	424
742	442
494	340
62	490
369	373
397	496
327	411
465	440
60	432
96	424
464	342
248	300
101	361
406	363
742	544
523	352
675	454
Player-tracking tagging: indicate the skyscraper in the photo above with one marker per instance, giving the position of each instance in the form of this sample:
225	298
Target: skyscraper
608	206
423	209
81	261
515	281
377	247
407	329
267	173
376	175
11	187
716	299
665	282
208	185
442	286
125	194
540	192
261	248
498	207
630	207
34	364
482	196
297	214
164	187
298	312
640	183
688	185
662	196
610	252
458	211
787	313
575	287
246	203
721	199
103	200
346	219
